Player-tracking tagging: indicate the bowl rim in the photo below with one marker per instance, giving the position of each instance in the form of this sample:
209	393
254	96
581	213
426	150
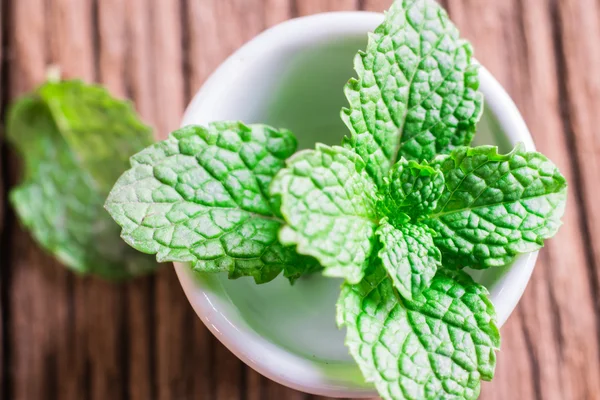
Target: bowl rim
207	299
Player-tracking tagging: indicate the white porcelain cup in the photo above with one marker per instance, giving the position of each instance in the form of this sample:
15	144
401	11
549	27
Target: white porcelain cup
291	76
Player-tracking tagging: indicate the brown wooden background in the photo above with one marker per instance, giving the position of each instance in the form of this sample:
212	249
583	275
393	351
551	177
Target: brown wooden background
65	337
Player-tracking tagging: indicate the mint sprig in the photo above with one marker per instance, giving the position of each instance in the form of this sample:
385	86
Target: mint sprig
75	140
417	326
397	211
488	209
201	196
437	346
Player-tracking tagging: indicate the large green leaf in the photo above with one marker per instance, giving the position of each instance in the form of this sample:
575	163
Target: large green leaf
496	206
201	196
60	199
416	92
437	346
101	131
329	204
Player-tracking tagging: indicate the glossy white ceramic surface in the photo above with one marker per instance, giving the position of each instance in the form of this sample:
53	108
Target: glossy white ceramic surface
291	76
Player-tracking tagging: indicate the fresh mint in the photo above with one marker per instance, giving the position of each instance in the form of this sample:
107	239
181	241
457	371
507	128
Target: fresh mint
480	208
416	91
75	140
439	345
329	202
398	218
201	196
398	211
496	206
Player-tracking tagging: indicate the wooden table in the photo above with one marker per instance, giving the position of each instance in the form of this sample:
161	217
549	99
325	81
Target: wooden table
70	338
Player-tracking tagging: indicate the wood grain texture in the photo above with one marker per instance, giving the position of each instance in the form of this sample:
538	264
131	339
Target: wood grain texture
72	338
37	333
4	355
308	7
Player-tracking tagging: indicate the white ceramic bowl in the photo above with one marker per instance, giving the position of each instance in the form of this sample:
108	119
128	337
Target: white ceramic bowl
291	76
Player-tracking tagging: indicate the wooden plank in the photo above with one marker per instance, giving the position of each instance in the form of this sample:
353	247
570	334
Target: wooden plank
577	29
138	71
375	5
27	46
308	7
203	52
112	44
4	228
38	328
275	391
3	98
253	386
98	317
276	11
123	67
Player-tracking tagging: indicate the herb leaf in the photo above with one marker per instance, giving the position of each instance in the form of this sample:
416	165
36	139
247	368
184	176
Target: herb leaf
328	201
201	196
416	92
101	131
409	257
415	188
61	196
437	346
496	206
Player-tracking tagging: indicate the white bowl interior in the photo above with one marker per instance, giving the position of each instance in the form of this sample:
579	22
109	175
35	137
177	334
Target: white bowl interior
292	77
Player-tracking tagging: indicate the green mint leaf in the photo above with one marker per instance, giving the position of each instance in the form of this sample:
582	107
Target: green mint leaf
201	196
409	257
328	202
414	188
416	92
100	130
60	200
496	206
437	346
